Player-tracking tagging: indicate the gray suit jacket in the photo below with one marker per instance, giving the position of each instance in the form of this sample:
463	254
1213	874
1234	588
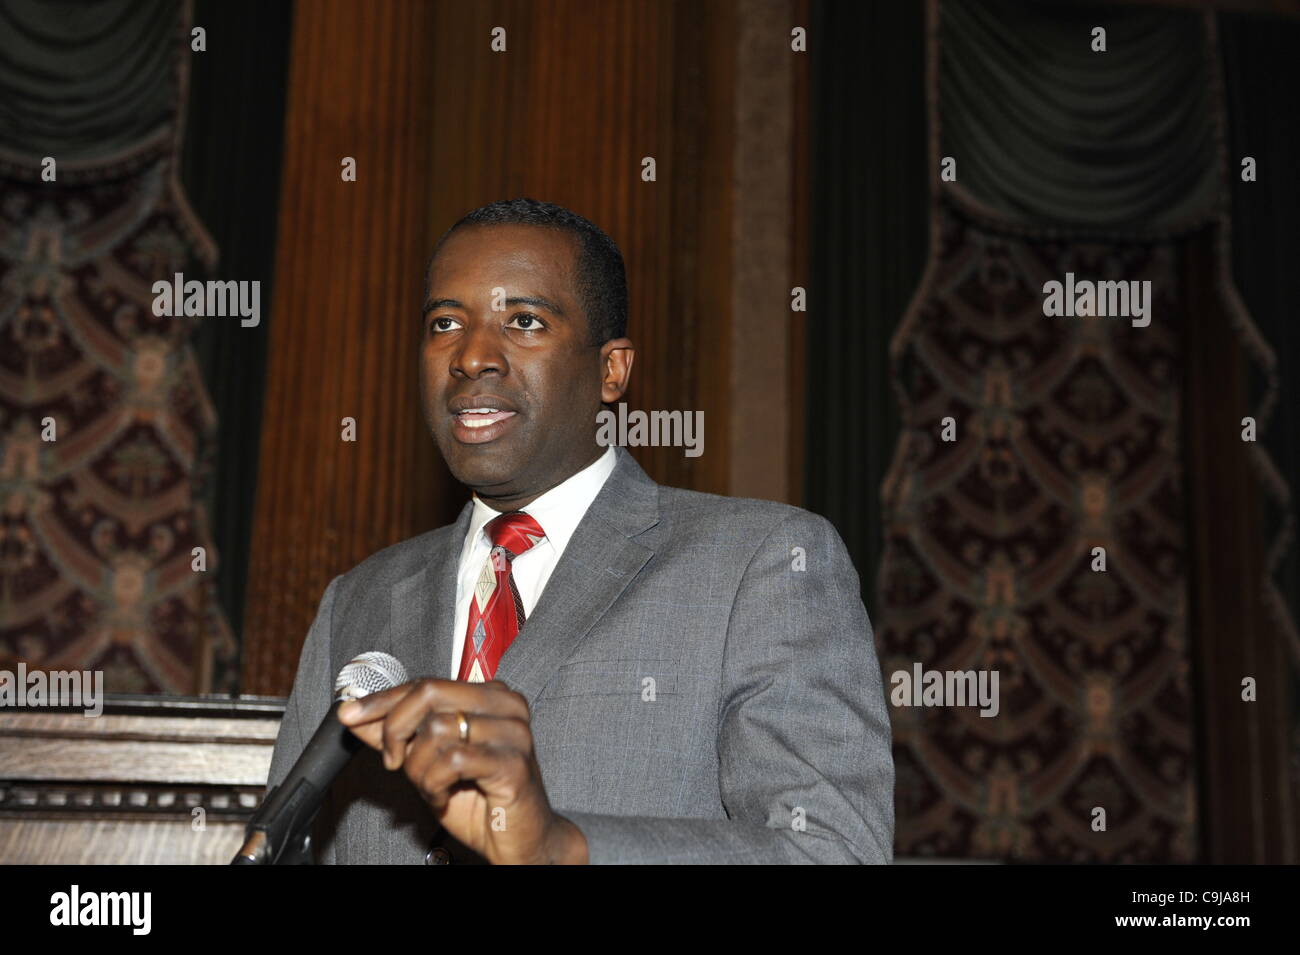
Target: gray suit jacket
763	736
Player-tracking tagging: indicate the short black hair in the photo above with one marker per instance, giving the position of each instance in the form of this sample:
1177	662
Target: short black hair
601	278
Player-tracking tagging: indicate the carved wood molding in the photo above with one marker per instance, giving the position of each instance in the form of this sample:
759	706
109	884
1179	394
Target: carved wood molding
107	800
123	787
143	756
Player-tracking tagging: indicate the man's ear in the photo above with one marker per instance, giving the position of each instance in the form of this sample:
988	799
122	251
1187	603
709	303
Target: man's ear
616	357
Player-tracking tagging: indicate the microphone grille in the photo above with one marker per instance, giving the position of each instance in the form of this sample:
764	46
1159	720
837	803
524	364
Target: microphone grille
368	673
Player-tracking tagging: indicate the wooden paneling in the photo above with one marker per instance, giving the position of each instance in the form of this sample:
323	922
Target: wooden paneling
344	320
57	746
761	239
116	842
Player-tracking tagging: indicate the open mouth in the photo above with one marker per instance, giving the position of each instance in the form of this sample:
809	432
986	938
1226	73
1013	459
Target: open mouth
480	425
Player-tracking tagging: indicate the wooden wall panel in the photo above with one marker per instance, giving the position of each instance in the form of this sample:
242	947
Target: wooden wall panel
342	325
761	242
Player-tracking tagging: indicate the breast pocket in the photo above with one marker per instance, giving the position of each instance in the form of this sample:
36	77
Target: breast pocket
643	680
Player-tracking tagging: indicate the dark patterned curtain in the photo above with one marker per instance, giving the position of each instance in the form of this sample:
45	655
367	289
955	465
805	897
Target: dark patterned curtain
99	525
1070	435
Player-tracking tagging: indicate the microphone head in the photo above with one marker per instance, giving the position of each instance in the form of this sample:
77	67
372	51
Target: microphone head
368	673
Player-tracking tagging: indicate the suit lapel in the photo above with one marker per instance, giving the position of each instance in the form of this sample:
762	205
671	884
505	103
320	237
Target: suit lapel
597	565
424	606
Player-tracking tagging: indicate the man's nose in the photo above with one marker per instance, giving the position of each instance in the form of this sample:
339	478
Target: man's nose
479	350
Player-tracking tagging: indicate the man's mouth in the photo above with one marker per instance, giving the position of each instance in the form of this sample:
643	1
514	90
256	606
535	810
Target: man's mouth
482	417
480	425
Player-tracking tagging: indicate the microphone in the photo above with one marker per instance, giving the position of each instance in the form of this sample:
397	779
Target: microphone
279	832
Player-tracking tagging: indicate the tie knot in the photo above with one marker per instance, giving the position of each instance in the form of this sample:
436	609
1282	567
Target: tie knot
514	531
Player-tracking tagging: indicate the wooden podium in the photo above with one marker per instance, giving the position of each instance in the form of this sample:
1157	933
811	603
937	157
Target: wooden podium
151	780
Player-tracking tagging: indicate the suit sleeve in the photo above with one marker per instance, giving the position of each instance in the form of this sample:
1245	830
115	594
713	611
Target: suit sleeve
308	703
804	742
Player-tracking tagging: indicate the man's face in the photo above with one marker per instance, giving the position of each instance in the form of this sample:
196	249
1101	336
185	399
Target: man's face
529	362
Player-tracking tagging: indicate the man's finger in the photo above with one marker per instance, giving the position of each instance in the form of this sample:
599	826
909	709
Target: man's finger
438	732
492	697
365	717
372	734
450	696
468	762
375	706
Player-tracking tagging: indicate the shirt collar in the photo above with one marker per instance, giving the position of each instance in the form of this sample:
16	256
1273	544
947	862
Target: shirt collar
559	510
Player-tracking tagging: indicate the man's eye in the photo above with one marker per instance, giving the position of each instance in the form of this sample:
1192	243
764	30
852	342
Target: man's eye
526	322
442	324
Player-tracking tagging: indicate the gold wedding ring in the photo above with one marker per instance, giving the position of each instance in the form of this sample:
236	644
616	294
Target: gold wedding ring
462	721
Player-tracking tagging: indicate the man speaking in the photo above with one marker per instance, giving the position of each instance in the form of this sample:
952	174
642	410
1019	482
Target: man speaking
617	671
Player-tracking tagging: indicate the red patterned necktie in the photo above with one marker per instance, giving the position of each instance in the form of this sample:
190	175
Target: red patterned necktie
496	614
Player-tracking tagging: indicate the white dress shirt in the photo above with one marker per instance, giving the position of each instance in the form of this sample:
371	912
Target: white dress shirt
559	511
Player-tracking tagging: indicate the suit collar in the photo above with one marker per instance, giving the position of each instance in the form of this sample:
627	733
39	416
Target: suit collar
600	560
630	499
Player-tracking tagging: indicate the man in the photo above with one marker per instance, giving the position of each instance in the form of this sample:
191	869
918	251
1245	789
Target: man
614	671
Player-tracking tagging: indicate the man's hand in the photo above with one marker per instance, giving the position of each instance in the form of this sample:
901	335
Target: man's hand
487	792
